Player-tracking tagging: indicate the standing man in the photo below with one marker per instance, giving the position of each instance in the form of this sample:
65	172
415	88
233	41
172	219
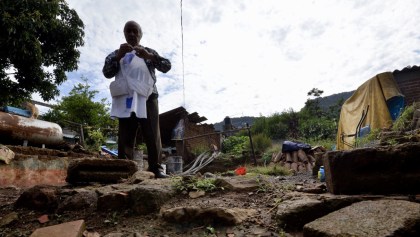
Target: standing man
128	107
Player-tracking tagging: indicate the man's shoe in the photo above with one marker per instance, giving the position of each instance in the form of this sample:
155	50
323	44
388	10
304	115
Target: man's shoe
160	175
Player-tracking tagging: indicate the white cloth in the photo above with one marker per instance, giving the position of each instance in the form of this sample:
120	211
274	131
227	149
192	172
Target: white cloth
119	108
140	86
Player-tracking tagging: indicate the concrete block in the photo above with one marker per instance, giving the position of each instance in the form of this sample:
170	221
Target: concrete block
379	170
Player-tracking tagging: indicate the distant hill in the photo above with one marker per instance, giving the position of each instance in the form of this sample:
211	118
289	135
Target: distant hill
236	122
327	101
324	103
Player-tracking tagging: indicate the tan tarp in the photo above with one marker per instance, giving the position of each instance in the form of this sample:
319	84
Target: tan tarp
373	93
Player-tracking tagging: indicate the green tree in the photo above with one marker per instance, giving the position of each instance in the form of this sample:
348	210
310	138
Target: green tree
38	44
312	108
79	107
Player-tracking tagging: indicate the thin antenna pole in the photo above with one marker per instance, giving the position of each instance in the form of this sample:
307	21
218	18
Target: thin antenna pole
182	52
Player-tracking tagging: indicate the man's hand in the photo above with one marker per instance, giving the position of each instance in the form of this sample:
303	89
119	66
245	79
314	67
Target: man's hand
124	48
142	53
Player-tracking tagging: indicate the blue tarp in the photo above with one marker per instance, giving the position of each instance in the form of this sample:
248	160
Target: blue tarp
395	106
17	111
111	152
289	146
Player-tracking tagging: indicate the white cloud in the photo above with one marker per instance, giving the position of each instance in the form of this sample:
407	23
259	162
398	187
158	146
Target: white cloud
253	57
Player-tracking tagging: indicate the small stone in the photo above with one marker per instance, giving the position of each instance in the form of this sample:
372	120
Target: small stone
43	219
9	218
196	194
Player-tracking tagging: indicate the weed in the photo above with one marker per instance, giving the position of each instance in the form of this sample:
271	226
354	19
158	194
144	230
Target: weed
287	187
273	170
112	219
403	122
263	187
194	184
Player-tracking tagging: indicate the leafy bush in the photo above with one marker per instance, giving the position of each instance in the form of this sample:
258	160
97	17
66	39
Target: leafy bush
95	140
234	145
403	122
261	142
194	184
318	128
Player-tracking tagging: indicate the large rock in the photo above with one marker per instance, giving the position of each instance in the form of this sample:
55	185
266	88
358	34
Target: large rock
293	214
379	170
370	219
144	198
80	199
113	197
40	197
100	170
220	215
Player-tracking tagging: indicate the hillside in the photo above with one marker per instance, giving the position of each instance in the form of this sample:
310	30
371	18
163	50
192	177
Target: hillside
236	122
331	100
324	102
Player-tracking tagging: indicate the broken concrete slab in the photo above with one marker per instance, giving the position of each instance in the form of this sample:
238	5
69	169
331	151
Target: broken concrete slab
293	214
220	215
100	170
238	184
68	229
370	219
379	170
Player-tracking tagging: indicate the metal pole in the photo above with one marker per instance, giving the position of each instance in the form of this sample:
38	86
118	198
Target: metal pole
252	145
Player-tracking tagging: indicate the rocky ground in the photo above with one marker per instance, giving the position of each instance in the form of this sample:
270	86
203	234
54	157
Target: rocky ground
246	205
259	194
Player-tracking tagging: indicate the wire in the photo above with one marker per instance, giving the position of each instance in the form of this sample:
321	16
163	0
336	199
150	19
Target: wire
182	52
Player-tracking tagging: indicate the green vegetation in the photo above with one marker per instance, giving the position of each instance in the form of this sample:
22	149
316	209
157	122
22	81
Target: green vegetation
38	44
404	121
272	170
261	143
235	145
194	184
312	125
79	107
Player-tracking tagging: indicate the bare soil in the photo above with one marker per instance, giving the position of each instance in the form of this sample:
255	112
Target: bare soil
127	223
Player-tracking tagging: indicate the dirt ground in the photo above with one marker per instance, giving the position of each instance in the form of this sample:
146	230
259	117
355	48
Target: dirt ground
126	223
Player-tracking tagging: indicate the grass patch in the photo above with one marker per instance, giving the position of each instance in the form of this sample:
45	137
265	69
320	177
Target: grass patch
403	122
273	170
193	183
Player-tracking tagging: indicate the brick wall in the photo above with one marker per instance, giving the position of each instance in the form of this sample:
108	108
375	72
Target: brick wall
199	143
408	81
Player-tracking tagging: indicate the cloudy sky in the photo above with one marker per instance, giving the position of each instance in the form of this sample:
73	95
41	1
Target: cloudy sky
252	58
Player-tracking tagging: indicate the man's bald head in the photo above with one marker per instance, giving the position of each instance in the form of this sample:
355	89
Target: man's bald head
132	32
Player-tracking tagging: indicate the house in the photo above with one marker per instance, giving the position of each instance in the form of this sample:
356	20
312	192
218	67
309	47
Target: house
184	134
408	80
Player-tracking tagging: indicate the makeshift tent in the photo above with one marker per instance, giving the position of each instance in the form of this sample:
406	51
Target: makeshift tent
375	104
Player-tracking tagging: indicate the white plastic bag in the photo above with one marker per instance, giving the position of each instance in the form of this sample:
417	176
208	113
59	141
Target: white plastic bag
137	74
118	87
